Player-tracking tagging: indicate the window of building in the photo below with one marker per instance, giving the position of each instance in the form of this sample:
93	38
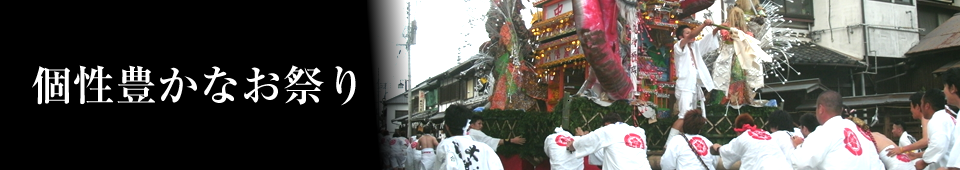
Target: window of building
905	2
399	113
802	9
470	83
930	18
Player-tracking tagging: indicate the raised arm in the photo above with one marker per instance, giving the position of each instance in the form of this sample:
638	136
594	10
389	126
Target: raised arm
693	32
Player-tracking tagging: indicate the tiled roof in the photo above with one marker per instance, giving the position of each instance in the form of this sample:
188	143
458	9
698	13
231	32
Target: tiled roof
807	54
399	99
810	53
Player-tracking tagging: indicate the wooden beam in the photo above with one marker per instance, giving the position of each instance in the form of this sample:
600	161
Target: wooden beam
887	125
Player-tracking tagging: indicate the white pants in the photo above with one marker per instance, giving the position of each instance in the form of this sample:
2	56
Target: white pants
687	100
427	157
413	159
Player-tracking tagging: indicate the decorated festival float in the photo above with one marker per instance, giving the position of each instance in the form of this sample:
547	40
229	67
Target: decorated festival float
584	58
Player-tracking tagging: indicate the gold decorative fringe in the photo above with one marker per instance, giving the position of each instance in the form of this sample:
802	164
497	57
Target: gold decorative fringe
567	16
561	61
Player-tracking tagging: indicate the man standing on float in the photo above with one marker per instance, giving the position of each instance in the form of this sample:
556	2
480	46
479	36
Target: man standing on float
692	73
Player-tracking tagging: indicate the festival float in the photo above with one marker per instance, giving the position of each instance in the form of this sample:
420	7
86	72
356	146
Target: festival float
584	58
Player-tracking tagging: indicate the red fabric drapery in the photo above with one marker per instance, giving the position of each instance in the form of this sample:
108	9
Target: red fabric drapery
514	162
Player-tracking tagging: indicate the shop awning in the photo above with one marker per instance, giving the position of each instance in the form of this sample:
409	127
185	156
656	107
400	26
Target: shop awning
889	99
948	66
419	117
438	116
401	118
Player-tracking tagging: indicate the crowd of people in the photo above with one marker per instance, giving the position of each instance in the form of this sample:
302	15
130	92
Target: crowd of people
830	138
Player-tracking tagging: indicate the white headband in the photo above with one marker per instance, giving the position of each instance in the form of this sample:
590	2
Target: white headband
466	127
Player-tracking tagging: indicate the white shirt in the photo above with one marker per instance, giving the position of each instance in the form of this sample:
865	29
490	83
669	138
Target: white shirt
481	137
784	141
623	146
756	150
837	144
906	139
555	146
463	153
679	156
940	127
687	79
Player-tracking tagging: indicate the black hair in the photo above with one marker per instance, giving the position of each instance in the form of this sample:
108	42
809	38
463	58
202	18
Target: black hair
611	118
679	31
475	118
951	77
810	121
781	120
455	117
831	101
693	122
898	123
916	98
935	98
429	130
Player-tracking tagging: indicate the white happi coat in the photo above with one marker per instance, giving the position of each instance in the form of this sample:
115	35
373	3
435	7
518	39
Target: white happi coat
398	151
692	72
481	137
784	140
555	146
623	147
837	144
940	127
756	150
955	156
679	156
463	153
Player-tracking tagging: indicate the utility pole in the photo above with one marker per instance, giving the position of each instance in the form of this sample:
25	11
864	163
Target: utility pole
410	35
382	114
